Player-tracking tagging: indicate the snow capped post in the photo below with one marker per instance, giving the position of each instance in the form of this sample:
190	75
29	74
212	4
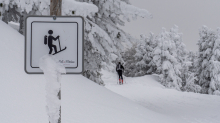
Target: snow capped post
55	9
52	72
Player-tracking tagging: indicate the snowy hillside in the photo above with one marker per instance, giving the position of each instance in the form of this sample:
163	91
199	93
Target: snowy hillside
184	106
139	100
23	96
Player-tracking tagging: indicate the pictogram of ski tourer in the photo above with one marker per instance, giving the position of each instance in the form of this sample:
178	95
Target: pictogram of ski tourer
49	40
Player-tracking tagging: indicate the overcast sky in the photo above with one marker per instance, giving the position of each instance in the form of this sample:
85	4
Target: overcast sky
188	15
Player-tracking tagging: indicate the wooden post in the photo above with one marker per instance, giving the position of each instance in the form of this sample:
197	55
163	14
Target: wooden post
55	7
56	10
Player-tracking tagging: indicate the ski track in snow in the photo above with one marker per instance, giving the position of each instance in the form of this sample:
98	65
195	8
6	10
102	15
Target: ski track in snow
147	91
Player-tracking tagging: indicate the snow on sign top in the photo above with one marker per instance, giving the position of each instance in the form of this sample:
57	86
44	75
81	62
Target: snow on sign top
60	36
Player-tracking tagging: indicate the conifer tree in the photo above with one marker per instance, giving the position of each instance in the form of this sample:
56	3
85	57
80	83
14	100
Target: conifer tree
214	86
165	58
206	44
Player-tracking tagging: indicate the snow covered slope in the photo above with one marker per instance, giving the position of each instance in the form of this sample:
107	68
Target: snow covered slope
14	25
184	106
23	96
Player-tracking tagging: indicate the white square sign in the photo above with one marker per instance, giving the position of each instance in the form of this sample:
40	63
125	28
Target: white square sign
60	36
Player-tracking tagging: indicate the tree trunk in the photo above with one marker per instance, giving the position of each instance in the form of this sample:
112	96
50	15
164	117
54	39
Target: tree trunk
55	9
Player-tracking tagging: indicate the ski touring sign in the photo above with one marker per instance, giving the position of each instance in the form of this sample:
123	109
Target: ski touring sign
61	36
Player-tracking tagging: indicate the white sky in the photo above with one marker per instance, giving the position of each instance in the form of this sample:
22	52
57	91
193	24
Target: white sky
189	15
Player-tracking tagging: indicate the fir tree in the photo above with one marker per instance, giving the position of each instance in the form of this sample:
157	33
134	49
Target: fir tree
140	63
165	58
206	44
214	86
130	62
150	45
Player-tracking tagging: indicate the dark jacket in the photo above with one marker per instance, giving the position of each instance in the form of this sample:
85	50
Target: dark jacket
119	67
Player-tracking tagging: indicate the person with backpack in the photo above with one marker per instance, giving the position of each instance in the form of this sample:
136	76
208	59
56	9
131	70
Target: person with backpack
119	70
50	41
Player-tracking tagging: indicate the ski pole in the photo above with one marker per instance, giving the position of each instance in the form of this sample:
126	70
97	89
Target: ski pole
125	80
117	79
59	43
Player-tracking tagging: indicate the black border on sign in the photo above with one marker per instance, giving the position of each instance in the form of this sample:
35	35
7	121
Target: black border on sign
53	22
25	44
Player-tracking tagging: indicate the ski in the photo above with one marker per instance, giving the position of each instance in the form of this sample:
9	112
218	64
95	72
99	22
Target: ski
60	51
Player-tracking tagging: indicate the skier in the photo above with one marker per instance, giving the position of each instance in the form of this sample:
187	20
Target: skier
119	70
50	42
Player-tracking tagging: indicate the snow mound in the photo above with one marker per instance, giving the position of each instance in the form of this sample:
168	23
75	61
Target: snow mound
14	25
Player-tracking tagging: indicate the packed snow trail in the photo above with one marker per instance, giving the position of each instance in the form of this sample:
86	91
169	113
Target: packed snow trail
148	92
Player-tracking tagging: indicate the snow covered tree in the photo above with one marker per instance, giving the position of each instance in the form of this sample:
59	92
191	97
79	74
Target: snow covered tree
190	85
165	58
192	57
130	61
150	45
181	52
189	78
206	44
144	56
138	59
214	85
140	63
